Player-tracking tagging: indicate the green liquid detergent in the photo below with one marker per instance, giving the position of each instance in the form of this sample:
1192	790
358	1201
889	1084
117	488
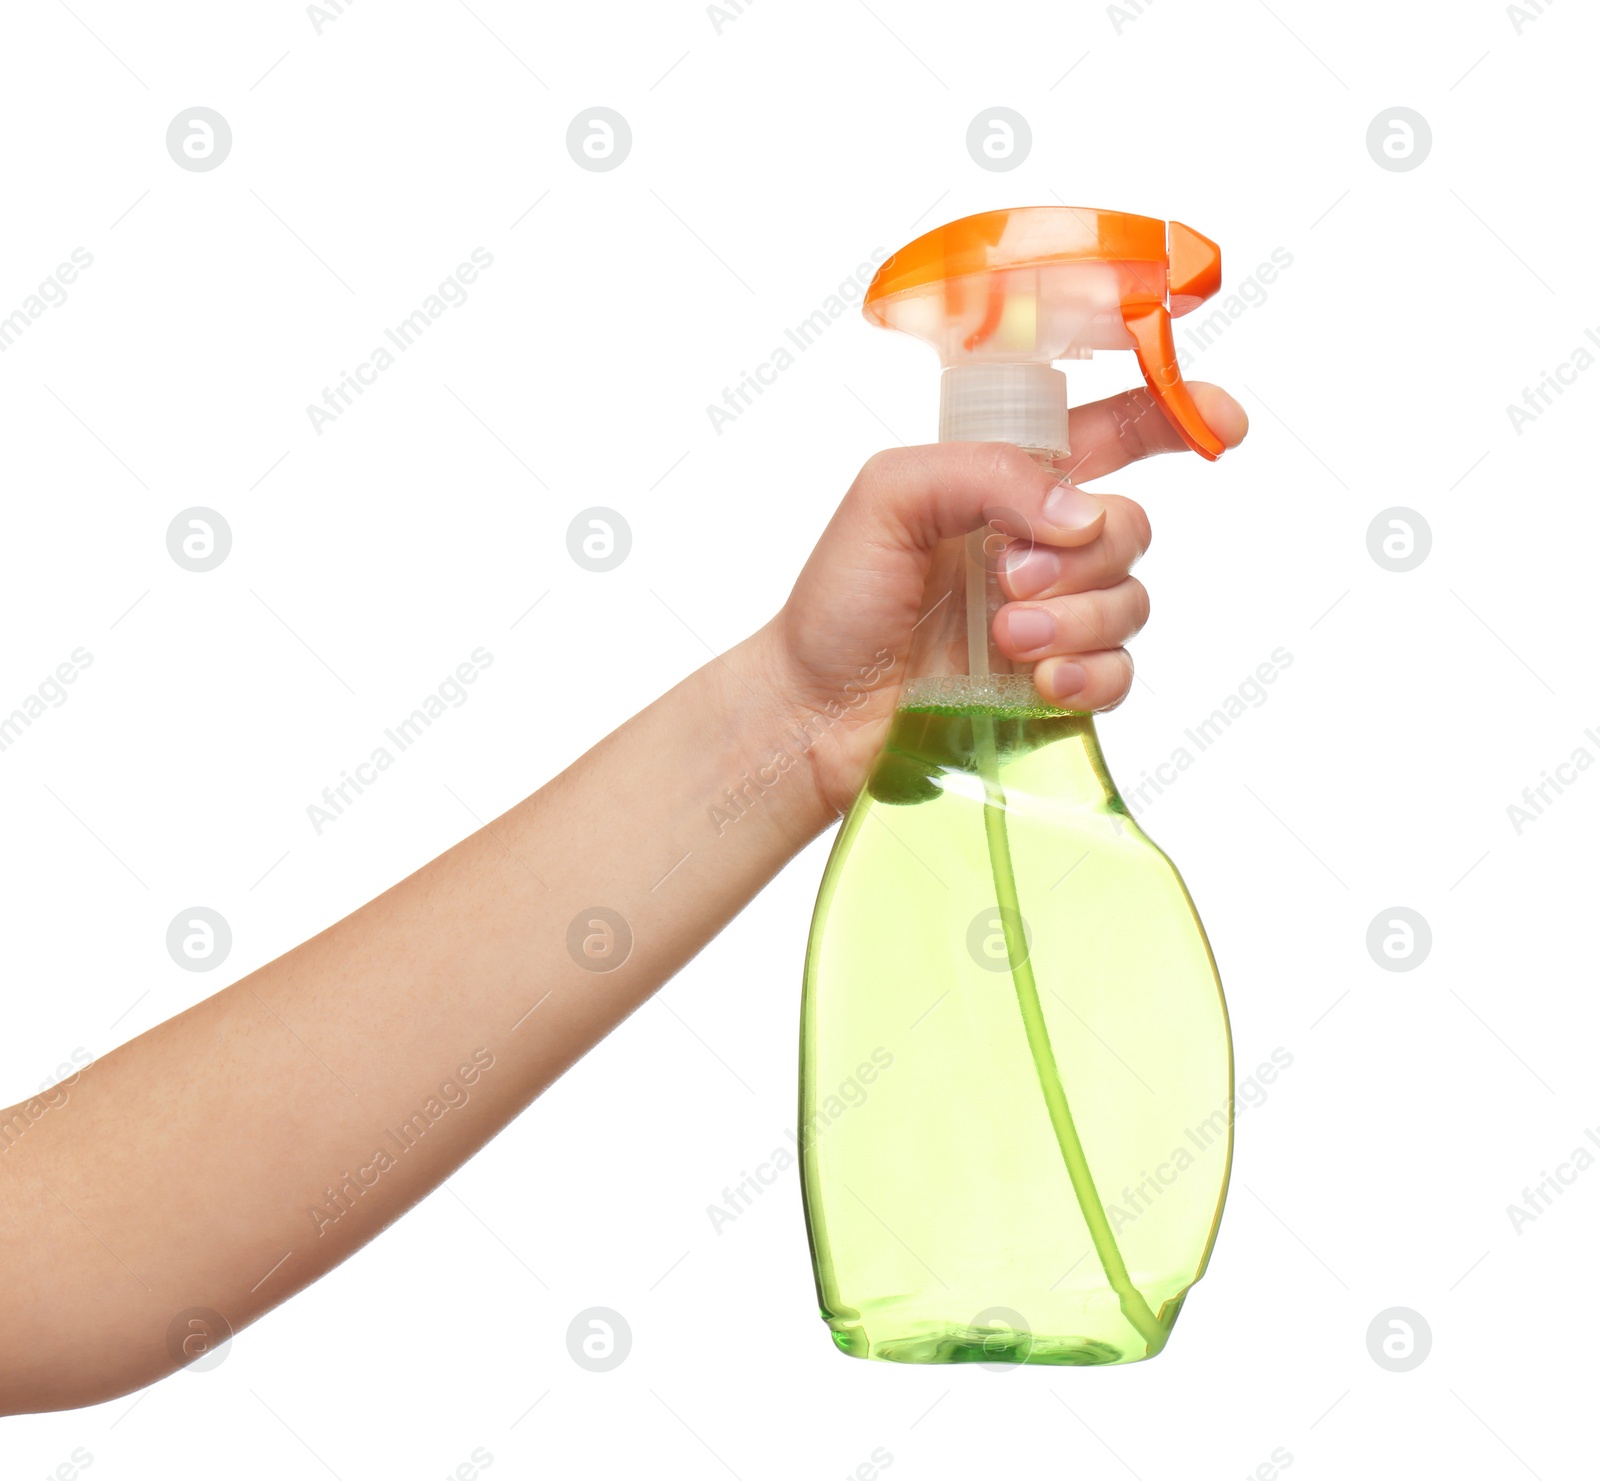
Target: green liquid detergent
1037	1174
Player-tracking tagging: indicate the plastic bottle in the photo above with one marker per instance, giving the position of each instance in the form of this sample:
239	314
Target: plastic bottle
1016	1069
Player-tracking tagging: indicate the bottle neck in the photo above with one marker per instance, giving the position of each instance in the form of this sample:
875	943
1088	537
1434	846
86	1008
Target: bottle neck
1024	403
954	635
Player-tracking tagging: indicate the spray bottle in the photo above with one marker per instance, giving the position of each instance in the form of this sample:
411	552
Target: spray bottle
1005	971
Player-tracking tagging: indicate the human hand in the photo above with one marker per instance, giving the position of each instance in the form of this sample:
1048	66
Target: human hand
838	648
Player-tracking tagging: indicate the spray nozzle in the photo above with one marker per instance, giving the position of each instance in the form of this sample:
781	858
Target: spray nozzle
1003	295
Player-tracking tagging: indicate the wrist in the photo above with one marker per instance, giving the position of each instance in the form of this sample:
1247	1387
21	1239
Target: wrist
771	735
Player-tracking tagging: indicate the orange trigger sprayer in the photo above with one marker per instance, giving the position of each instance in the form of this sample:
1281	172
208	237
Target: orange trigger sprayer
1003	295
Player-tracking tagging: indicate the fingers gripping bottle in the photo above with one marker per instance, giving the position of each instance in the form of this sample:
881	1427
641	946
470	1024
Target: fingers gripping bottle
1016	1070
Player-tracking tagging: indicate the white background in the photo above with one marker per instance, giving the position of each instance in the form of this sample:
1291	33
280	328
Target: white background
769	158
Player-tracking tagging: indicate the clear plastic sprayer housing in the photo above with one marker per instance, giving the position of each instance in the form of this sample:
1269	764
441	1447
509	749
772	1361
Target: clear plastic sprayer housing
1037	1170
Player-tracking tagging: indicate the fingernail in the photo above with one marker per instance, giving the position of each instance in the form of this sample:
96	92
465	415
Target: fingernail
1071	508
1030	569
1029	628
1066	680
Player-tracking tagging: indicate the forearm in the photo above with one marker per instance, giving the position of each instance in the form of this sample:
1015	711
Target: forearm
282	1123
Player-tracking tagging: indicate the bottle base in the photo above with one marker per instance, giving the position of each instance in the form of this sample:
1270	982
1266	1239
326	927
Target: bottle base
983	1345
1001	1335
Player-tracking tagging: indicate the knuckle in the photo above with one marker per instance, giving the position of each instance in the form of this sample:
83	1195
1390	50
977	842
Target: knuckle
1130	413
1005	462
1138	528
1120	683
880	467
1083	616
1139	594
1095	613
